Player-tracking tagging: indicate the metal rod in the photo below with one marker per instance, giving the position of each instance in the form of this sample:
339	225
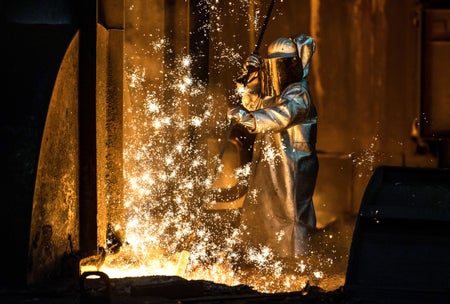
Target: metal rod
264	26
231	125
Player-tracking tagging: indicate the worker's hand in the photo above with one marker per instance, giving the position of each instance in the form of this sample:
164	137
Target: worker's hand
252	63
236	114
251	67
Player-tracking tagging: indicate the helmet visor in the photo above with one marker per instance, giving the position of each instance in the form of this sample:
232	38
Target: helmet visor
278	73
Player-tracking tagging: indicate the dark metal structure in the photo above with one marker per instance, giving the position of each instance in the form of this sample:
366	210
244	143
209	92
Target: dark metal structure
400	251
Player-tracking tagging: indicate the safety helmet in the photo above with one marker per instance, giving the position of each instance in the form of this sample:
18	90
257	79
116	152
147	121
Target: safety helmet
281	67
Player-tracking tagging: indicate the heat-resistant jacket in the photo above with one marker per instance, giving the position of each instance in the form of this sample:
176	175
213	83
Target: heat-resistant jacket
278	211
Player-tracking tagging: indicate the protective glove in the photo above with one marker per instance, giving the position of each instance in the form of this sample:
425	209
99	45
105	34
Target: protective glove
241	116
253	63
236	114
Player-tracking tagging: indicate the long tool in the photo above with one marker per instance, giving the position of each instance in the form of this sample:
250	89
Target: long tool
255	52
264	26
183	259
184	255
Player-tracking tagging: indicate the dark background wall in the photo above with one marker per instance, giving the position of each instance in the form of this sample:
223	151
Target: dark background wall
367	80
35	38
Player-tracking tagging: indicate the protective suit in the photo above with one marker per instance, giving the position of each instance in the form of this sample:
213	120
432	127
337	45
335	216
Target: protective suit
278	211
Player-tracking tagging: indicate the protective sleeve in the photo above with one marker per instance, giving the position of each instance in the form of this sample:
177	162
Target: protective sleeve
249	122
290	108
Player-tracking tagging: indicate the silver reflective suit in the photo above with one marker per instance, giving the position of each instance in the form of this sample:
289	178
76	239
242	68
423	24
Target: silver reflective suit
278	211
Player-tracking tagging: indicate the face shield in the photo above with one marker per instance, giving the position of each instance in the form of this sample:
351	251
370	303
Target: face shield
278	73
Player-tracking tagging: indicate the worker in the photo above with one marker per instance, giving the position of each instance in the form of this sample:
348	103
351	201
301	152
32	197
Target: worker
278	211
